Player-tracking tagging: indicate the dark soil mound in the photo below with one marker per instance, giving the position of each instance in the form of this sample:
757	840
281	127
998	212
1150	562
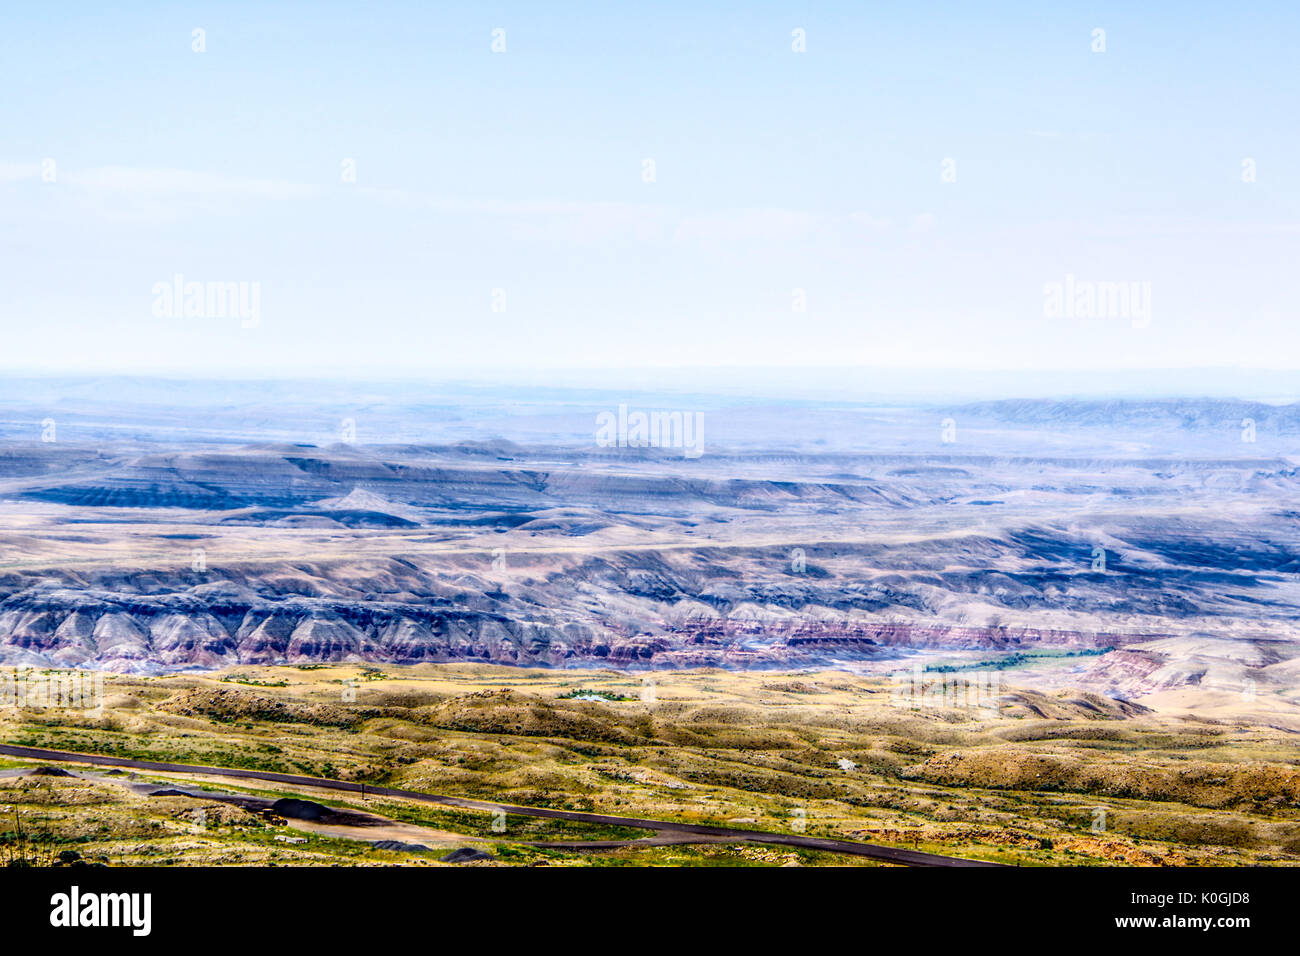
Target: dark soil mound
301	809
310	810
401	847
466	854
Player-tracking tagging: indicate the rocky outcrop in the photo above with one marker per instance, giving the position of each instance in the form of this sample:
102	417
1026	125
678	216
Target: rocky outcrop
212	626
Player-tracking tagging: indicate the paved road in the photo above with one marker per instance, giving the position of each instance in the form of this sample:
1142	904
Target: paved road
885	854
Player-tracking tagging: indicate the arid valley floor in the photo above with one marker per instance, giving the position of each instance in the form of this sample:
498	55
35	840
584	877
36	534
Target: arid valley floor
468	599
825	753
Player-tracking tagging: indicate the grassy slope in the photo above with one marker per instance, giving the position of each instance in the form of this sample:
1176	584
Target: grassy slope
713	747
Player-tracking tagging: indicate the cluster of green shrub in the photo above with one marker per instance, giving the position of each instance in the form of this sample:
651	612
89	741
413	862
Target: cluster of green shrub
601	694
1015	660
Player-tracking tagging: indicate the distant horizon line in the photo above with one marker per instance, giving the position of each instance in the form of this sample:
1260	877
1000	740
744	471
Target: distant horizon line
442	371
843	383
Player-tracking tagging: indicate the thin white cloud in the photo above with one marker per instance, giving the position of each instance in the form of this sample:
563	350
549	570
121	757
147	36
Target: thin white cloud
164	194
153	195
17	172
547	219
923	222
130	180
399	198
737	225
578	221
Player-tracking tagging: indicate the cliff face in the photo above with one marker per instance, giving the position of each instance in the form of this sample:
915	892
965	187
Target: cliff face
217	625
634	608
148	560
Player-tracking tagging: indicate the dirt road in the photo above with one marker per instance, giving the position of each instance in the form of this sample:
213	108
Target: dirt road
885	854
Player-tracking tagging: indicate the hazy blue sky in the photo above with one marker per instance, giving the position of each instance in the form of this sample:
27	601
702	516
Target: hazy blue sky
523	171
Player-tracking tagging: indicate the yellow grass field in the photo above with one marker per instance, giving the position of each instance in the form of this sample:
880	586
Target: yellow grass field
1060	779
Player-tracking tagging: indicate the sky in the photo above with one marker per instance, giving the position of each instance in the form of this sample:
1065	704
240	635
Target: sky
905	192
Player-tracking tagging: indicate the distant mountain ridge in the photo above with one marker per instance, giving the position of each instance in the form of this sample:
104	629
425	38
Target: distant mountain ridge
1186	413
